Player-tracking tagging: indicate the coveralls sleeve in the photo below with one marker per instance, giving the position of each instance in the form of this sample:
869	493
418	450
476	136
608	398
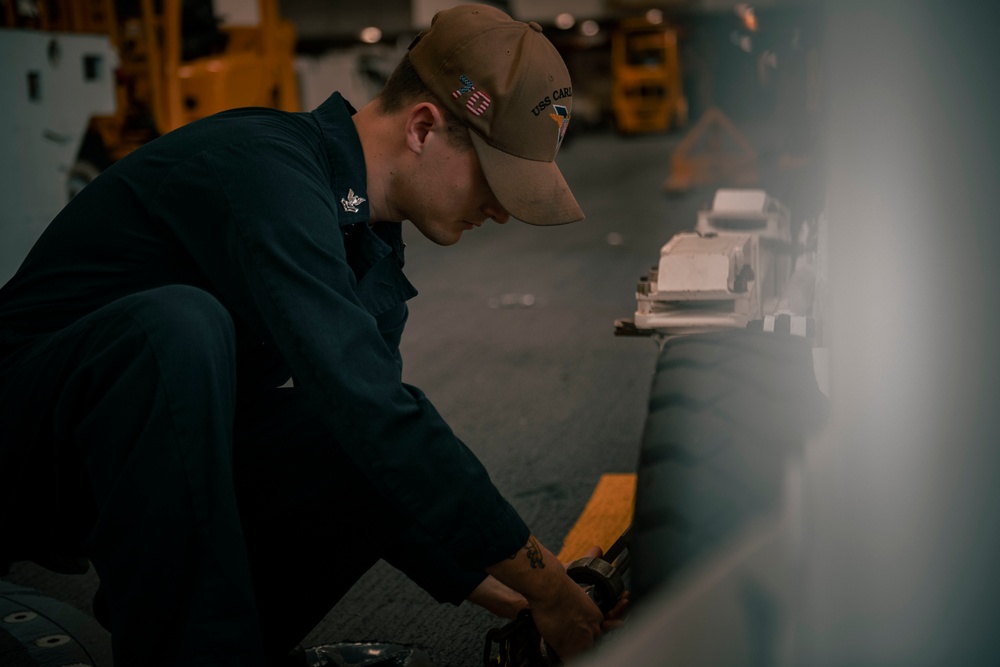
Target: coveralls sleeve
275	253
417	555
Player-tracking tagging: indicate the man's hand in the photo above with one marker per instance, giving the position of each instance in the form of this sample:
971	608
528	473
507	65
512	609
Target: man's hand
505	602
497	598
563	614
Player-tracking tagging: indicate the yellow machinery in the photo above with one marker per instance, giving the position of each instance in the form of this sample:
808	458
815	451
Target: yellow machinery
646	94
177	62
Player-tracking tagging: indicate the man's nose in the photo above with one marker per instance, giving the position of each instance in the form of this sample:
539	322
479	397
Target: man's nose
497	212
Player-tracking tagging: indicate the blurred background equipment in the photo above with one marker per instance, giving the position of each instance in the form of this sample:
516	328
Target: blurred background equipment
91	80
730	270
646	94
180	60
53	84
714	151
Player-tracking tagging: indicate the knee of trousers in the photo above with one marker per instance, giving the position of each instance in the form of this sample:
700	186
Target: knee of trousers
177	338
152	367
184	324
176	330
190	334
160	369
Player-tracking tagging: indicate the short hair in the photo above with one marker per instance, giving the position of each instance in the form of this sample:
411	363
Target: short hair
405	87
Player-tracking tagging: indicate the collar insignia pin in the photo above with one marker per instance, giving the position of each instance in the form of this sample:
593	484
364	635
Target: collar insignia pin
351	202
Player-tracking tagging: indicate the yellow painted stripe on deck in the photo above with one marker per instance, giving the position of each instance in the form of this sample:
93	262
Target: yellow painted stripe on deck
606	516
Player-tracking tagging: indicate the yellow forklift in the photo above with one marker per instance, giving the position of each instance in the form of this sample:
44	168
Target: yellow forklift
178	61
646	94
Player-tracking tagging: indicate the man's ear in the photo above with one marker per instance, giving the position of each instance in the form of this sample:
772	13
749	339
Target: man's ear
423	121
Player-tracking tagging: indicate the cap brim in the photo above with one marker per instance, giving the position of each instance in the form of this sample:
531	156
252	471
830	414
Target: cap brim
532	191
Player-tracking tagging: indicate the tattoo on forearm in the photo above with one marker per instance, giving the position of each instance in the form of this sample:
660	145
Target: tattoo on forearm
534	552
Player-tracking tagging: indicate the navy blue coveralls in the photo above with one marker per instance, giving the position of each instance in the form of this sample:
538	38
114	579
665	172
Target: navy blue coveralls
143	345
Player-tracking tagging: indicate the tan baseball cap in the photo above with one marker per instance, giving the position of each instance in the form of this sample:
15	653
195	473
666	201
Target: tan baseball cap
507	82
